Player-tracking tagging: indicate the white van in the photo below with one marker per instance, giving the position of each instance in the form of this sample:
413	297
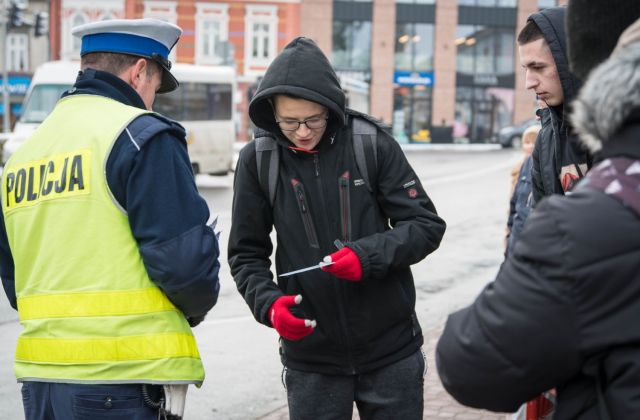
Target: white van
203	104
49	81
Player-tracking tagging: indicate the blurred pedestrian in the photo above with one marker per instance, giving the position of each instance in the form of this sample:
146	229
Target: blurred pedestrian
563	309
331	181
521	195
104	246
558	160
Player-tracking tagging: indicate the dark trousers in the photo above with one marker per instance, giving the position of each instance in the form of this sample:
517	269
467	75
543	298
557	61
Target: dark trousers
392	392
53	401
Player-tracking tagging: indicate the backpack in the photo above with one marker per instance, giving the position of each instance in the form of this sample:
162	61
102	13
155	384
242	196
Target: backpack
363	140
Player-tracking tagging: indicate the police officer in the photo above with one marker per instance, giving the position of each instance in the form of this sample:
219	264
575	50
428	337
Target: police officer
104	245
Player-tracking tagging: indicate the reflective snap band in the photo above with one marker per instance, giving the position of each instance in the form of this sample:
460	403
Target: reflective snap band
79	350
104	303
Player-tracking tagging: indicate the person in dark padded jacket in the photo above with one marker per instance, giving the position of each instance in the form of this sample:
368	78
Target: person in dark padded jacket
558	160
349	332
563	311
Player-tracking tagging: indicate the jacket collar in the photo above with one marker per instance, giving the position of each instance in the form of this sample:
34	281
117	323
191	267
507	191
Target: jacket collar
102	83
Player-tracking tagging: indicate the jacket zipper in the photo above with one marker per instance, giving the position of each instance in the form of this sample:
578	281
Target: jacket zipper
345	206
345	225
305	213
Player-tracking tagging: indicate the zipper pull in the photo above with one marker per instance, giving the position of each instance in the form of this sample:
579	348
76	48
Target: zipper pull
301	199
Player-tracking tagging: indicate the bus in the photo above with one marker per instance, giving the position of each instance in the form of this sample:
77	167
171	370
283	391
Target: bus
203	104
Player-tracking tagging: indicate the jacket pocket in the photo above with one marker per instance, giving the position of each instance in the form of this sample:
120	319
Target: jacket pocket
305	213
345	206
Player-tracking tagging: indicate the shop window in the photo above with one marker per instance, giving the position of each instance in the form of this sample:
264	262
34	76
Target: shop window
351	45
412	113
414	47
484	81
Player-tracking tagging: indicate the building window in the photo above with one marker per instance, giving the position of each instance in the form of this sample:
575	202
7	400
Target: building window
78	19
543	4
488	3
413	82
212	29
412	113
351	45
414	46
79	12
484	81
162	10
261	40
17	52
417	1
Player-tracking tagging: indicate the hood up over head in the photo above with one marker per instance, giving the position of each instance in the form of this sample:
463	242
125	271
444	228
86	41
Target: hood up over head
301	70
552	24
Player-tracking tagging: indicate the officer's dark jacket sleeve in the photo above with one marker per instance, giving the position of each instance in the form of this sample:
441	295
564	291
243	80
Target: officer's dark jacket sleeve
6	265
149	174
519	338
417	229
249	242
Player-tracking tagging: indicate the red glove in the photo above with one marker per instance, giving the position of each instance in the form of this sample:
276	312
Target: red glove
287	325
346	265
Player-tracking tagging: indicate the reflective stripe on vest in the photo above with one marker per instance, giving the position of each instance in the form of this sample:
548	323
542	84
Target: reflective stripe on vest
104	303
89	310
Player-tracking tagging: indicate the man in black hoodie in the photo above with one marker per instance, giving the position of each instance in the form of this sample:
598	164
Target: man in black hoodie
349	332
558	160
563	311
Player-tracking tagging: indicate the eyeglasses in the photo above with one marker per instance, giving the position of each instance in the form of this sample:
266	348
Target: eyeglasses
314	123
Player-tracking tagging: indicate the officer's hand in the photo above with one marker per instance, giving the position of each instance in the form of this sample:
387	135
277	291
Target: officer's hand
346	265
287	325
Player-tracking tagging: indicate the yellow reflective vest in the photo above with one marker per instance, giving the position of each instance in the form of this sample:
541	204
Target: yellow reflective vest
89	310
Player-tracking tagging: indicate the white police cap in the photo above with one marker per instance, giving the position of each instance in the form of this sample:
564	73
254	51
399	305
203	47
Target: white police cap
148	38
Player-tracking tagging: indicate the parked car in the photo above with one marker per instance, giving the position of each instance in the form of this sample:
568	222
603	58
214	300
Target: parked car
511	136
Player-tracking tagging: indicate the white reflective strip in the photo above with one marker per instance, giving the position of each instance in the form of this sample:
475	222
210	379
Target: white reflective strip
131	138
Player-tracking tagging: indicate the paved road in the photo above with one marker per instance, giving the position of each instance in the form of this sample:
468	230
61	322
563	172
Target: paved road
470	192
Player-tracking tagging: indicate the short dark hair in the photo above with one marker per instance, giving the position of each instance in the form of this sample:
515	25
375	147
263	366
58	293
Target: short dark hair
531	32
115	63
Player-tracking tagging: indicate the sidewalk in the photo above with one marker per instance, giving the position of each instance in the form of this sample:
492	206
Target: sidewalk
437	403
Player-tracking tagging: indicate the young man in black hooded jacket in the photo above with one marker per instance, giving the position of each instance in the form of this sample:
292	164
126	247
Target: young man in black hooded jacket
559	161
349	332
563	311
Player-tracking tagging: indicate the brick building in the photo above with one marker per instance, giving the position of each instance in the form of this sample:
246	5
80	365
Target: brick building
447	66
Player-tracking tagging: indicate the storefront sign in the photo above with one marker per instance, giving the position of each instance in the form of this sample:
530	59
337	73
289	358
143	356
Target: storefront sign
485	79
18	85
408	78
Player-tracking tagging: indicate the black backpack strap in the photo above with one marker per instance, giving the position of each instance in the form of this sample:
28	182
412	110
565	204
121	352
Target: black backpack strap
268	162
365	150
